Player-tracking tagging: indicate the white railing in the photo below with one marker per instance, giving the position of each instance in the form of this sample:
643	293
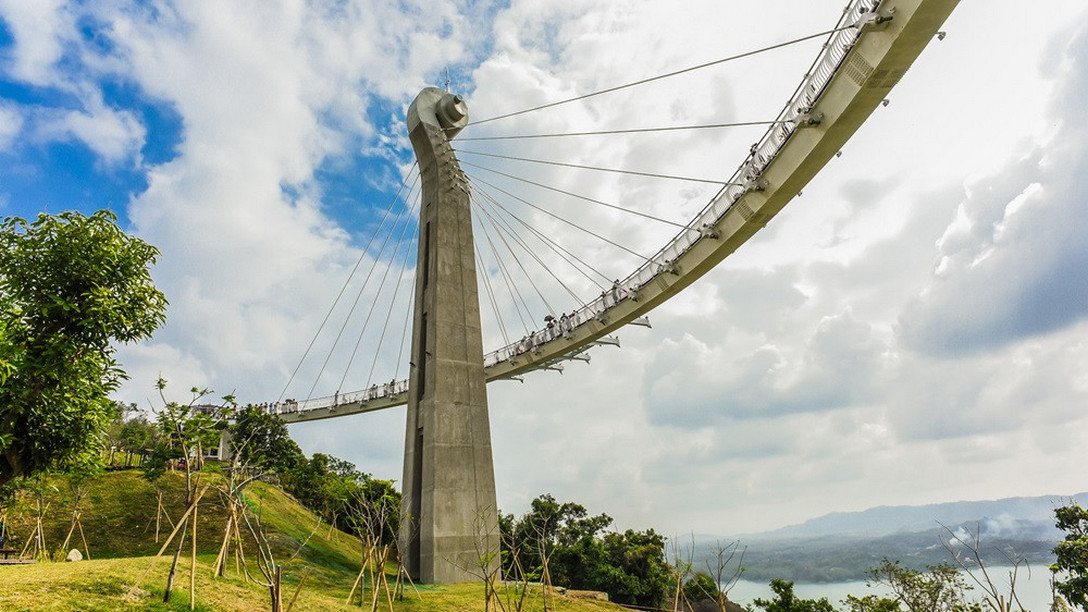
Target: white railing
383	391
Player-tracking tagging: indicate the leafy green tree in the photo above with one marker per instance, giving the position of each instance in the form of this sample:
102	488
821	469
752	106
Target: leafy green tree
636	568
261	442
547	526
785	601
340	493
1072	554
941	588
700	586
562	544
136	436
70	287
871	603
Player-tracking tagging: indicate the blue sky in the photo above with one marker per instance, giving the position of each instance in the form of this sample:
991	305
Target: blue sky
909	330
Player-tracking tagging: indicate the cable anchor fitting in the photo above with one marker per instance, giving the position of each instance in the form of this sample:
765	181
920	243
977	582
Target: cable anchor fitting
809	118
875	20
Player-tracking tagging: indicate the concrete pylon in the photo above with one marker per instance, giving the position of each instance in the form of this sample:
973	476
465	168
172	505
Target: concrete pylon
449	511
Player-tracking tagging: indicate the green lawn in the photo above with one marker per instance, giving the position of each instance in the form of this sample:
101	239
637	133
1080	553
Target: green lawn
106	585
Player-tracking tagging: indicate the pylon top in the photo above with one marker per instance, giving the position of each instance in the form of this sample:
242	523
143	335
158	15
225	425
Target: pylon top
439	108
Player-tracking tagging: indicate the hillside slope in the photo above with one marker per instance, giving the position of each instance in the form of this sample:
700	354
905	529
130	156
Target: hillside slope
118	520
119	510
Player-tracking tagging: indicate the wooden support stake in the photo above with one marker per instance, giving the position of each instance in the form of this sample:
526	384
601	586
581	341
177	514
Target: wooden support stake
299	588
181	522
192	566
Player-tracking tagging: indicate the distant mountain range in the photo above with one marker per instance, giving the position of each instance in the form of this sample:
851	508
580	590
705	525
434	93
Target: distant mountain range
843	546
1001	517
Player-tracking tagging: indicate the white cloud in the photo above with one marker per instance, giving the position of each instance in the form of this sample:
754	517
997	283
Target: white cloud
1013	263
11	124
267	95
35	27
115	135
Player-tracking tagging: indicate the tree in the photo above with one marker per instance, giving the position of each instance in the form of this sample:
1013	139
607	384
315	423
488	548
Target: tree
547	526
187	429
871	603
561	543
941	588
70	287
714	584
785	601
136	437
262	442
965	546
1072	554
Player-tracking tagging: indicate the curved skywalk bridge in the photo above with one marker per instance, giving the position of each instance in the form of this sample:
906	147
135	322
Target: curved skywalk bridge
874	44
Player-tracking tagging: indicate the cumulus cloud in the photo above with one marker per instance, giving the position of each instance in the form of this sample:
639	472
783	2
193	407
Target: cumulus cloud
742	368
11	123
116	136
39	29
1014	263
251	255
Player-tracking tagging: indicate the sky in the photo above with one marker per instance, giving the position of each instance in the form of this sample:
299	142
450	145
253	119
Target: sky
910	330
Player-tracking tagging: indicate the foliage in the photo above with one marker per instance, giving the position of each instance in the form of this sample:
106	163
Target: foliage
1072	554
340	493
629	566
700	586
547	526
136	436
871	603
785	600
70	286
188	430
941	588
261	442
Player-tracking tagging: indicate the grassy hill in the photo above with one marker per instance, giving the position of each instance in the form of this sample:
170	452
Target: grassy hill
118	520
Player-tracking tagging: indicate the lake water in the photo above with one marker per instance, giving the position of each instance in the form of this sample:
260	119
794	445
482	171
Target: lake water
1033	590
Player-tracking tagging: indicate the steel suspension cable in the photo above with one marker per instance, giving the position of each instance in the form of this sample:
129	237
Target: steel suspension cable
674	128
343	288
570	223
564	254
665	76
575	195
528	277
514	235
485	279
388	315
359	295
381	287
597	168
408	316
518	299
